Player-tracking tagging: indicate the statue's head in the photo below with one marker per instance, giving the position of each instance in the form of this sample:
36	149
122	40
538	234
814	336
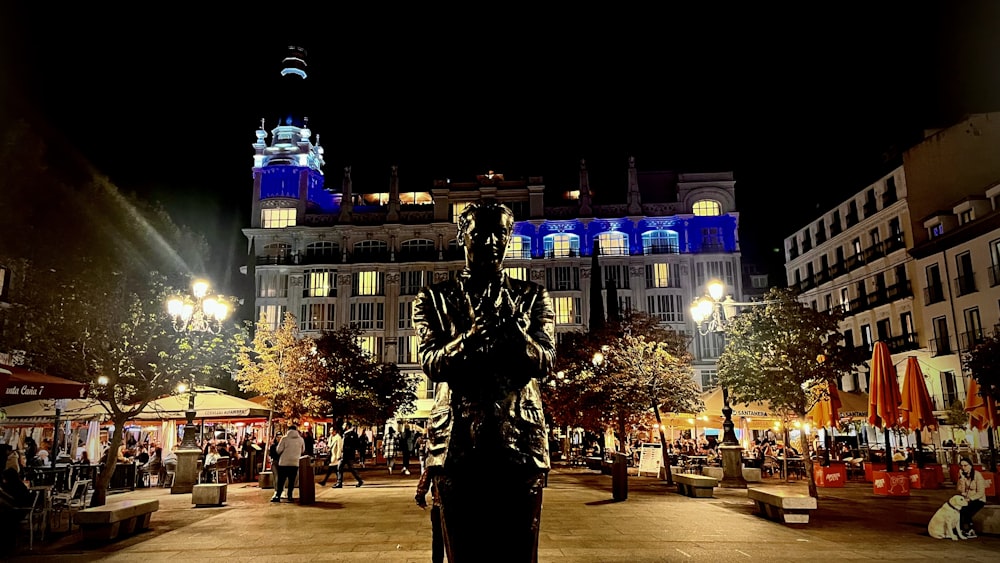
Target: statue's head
484	229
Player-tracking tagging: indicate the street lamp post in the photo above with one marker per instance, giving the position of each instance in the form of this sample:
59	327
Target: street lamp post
194	315
711	313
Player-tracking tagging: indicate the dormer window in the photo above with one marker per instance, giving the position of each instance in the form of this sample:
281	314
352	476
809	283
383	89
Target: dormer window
936	230
707	208
965	217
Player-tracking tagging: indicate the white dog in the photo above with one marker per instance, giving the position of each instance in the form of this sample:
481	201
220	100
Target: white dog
945	522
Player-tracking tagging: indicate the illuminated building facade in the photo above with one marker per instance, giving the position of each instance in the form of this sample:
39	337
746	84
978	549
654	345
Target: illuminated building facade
348	255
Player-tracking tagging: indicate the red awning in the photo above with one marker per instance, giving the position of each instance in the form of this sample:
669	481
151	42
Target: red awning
20	385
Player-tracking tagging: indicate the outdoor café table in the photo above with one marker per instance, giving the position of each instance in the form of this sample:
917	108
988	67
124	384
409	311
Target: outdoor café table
796	464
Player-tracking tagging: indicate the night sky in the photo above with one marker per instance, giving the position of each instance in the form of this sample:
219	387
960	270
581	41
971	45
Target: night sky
805	107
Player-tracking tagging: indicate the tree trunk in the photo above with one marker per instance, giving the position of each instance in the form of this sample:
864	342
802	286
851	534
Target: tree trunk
100	496
663	444
804	447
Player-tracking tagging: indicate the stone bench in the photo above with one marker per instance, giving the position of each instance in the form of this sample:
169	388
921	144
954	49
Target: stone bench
695	486
108	522
782	505
209	494
750	474
987	520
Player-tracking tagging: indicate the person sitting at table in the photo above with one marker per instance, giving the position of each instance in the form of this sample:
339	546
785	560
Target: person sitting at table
790	451
14	498
211	458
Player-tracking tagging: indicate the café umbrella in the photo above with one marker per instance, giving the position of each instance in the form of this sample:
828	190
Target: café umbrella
916	410
982	413
826	412
884	397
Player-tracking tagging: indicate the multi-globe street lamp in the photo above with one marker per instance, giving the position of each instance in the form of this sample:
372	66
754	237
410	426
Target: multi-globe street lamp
195	315
711	313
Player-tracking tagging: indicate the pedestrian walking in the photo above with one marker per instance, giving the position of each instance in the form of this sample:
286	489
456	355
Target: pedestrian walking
336	446
351	445
406	447
389	448
290	448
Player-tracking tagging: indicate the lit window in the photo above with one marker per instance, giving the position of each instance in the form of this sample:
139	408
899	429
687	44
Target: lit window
707	208
519	247
561	245
658	275
271	315
517	273
372	346
317	316
660	242
408	351
367	283
567	310
320	283
277	218
277	251
613	243
272	284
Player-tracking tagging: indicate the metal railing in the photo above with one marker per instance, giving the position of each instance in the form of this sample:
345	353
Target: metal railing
965	284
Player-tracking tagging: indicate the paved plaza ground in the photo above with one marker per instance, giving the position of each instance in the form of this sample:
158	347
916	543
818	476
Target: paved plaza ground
580	522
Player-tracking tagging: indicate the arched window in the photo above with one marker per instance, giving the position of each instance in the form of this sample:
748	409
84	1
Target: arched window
519	247
660	242
707	208
370	246
561	245
322	249
277	250
613	243
418	249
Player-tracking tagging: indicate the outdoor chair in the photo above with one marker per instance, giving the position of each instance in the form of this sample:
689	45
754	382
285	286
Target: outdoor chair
34	516
771	465
73	500
220	473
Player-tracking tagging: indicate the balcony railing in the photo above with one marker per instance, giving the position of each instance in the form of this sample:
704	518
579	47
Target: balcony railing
903	343
855	261
940	346
562	253
899	290
969	339
869	208
661	249
894	243
838	268
888	198
793	252
365	256
965	284
878	297
423	255
874	251
994	275
933	294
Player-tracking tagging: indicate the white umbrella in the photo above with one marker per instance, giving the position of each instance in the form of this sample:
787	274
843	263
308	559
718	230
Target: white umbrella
94	441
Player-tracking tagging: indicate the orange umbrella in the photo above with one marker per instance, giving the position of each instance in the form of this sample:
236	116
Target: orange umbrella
982	411
917	410
884	397
826	411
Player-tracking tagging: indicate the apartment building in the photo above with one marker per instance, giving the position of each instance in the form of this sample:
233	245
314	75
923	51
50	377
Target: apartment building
882	256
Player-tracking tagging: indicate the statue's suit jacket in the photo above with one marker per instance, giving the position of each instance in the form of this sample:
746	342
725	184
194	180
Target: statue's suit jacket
488	405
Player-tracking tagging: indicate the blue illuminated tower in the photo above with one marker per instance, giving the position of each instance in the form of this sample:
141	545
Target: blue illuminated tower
288	170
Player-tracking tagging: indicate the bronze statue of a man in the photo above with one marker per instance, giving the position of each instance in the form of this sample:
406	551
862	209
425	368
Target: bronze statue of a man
486	339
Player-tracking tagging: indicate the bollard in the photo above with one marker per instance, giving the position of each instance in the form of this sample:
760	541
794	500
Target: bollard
307	481
619	477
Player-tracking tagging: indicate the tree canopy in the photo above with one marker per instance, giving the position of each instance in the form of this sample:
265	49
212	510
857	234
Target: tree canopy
983	362
328	375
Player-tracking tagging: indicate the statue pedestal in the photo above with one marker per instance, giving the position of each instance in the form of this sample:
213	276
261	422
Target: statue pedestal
732	467
186	474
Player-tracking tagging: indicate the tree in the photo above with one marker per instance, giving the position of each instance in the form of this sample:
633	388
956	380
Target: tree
779	352
138	357
618	376
301	375
275	365
357	385
983	362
